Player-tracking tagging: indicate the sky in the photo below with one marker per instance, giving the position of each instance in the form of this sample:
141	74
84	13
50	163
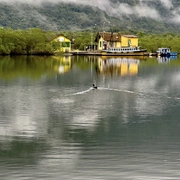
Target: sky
118	9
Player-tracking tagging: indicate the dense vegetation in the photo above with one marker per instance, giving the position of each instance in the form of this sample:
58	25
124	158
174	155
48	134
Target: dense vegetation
38	42
32	41
152	42
63	16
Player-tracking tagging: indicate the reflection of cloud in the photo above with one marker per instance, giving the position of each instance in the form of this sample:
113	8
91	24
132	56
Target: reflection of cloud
61	162
87	119
150	106
24	111
25	126
6	131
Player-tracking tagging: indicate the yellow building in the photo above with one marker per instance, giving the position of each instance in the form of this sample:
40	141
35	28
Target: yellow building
61	44
106	40
129	41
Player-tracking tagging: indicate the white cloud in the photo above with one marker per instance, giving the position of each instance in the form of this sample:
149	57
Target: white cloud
176	18
141	11
116	9
167	3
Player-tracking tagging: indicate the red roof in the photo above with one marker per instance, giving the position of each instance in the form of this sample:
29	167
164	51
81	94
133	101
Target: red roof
110	36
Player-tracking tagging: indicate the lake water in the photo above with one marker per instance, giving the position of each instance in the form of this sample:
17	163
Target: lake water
53	125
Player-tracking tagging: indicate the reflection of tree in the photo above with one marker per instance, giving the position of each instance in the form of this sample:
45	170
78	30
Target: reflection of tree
37	66
21	151
24	66
83	62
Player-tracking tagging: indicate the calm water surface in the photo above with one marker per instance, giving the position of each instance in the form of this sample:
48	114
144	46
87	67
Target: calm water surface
53	125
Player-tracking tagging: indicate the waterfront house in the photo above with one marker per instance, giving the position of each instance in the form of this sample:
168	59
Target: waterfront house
61	44
106	40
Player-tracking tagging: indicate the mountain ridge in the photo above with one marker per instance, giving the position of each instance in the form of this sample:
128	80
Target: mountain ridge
123	15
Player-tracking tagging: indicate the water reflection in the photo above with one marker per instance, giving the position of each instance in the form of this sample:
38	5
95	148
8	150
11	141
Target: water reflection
61	64
53	128
118	66
166	59
34	67
37	67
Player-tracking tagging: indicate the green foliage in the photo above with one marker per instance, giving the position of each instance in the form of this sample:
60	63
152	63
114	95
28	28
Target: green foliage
152	42
82	38
32	41
36	41
69	16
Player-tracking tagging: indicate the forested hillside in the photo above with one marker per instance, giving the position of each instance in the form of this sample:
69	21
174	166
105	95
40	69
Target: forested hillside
124	15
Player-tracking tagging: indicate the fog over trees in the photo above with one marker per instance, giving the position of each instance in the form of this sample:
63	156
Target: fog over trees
156	16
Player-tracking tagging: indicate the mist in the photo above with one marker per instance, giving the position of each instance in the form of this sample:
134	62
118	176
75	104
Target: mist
145	8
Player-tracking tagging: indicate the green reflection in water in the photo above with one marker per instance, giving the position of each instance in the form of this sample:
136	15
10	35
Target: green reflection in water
161	61
23	66
29	66
22	151
35	67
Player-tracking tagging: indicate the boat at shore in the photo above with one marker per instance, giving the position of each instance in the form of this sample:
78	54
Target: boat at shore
125	51
165	52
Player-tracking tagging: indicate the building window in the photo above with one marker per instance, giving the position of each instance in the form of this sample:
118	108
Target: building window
100	45
129	42
66	44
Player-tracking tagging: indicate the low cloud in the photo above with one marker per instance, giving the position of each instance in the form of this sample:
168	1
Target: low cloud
117	9
167	3
140	11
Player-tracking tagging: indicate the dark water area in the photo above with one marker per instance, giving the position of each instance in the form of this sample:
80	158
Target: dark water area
54	125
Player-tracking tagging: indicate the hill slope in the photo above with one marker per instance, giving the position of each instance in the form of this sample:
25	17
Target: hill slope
136	15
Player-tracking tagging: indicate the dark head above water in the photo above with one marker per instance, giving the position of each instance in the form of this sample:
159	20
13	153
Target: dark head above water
94	86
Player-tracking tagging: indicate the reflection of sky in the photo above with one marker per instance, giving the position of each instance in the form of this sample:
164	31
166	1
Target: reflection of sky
157	87
126	149
23	112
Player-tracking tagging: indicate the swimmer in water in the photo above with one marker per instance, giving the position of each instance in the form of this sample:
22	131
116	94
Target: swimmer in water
94	86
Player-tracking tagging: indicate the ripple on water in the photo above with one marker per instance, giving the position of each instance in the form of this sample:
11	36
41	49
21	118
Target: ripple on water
62	100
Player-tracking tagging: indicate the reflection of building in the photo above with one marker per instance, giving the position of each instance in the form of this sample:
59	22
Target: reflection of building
121	66
116	40
62	44
166	59
61	64
163	59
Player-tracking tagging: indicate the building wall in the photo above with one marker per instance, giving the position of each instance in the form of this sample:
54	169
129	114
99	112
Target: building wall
108	44
64	44
118	44
100	44
125	41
